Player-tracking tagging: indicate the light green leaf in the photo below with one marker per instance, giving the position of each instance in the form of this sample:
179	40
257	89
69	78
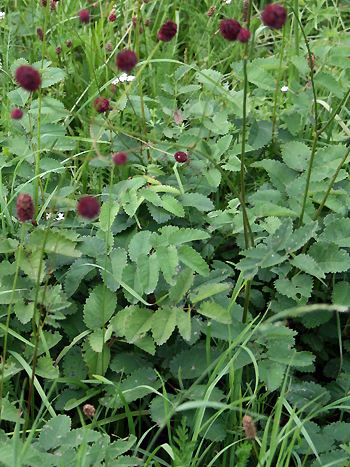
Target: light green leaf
216	312
99	307
171	204
163	324
140	244
53	431
168	262
183	284
307	264
329	257
184	323
96	340
109	211
296	155
191	258
148	272
208	290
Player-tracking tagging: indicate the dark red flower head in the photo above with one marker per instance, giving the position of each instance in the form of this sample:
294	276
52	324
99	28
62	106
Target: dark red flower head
229	29
16	113
167	31
181	156
24	207
40	34
88	207
84	16
243	35
274	16
101	105
120	158
126	60
28	78
112	16
69	43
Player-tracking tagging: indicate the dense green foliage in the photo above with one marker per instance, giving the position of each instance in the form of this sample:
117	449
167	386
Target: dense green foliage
205	290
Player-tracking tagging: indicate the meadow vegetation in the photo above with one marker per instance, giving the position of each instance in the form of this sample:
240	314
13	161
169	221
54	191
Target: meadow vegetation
175	233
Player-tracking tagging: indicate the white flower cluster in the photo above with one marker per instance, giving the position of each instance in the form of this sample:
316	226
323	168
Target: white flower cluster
59	217
123	78
2	15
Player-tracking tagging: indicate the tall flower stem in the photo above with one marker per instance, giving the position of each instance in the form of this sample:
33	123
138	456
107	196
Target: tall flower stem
277	88
248	236
316	132
9	310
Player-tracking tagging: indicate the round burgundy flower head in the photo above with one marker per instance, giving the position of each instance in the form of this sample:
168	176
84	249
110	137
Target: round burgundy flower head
243	35
120	158
112	16
28	78
101	105
16	113
84	16
126	60
167	31
69	43
88	207
274	16
24	207
229	29
58	50
181	156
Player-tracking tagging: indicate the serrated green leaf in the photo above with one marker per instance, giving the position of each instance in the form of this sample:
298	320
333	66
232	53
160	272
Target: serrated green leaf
183	284
191	258
168	261
329	257
178	236
75	274
171	204
297	287
337	232
148	272
96	340
197	200
140	244
184	323
296	155
46	368
215	311
341	293
24	311
208	290
109	211
163	324
99	307
307	264
53	431
133	322
272	374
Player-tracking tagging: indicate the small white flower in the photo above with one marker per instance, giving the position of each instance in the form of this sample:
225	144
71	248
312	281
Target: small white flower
122	78
284	88
60	216
48	215
227	2
2	15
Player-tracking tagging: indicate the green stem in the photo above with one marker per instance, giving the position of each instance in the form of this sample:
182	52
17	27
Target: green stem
9	309
296	27
277	88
